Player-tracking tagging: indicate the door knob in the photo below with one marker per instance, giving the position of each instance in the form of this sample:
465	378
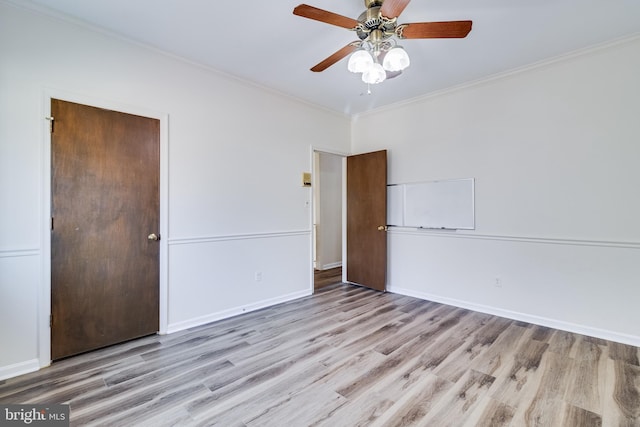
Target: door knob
153	236
382	228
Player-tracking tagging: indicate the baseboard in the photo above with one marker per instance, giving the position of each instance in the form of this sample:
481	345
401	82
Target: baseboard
331	265
203	320
523	317
19	369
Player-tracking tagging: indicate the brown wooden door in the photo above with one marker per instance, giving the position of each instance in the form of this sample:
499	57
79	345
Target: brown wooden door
366	212
105	203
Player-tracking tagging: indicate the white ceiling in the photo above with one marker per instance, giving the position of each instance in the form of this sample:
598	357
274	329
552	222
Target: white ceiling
263	42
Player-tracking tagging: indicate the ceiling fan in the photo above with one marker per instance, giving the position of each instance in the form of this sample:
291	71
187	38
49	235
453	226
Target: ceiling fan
377	54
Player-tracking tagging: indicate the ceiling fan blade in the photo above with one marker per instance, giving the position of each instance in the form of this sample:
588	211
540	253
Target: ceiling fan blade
323	65
321	15
393	8
434	30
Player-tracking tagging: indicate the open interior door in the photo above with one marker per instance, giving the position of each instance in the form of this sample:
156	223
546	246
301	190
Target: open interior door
367	219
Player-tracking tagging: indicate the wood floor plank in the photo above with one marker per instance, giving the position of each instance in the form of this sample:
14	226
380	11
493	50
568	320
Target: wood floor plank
627	392
497	357
76	368
403	329
460	401
256	401
176	364
264	374
302	408
624	352
430	321
361	412
490	413
174	416
541	333
546	407
125	396
137	411
478	343
575	416
415	402
422	353
348	356
348	368
252	403
586	378
520	382
562	342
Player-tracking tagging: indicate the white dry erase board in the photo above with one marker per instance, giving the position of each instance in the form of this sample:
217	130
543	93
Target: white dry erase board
447	204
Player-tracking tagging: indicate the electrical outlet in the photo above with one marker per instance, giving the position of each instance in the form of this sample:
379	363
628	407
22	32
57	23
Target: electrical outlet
498	282
258	276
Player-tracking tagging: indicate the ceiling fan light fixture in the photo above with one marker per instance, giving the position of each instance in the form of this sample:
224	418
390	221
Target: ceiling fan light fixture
374	74
360	61
396	59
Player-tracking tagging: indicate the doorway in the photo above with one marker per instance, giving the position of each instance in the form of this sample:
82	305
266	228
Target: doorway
363	206
327	184
105	179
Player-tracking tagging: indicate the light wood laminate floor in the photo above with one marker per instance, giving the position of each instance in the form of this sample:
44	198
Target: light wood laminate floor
323	278
348	356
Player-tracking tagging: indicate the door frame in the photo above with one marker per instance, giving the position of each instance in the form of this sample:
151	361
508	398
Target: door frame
314	171
44	296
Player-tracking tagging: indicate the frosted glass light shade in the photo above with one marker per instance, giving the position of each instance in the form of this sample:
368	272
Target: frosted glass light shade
360	61
374	75
396	59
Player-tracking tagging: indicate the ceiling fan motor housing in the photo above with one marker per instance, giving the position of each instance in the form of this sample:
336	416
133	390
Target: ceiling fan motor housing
371	20
372	3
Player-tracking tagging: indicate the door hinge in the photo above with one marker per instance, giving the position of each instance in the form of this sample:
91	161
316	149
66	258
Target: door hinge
50	320
50	118
51	223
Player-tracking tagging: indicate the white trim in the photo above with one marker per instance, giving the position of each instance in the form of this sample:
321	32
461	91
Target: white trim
315	149
526	239
248	236
44	296
523	317
12	253
209	318
344	219
331	265
17	369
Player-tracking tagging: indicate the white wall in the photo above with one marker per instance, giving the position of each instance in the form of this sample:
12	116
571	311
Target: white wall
234	158
554	151
329	225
